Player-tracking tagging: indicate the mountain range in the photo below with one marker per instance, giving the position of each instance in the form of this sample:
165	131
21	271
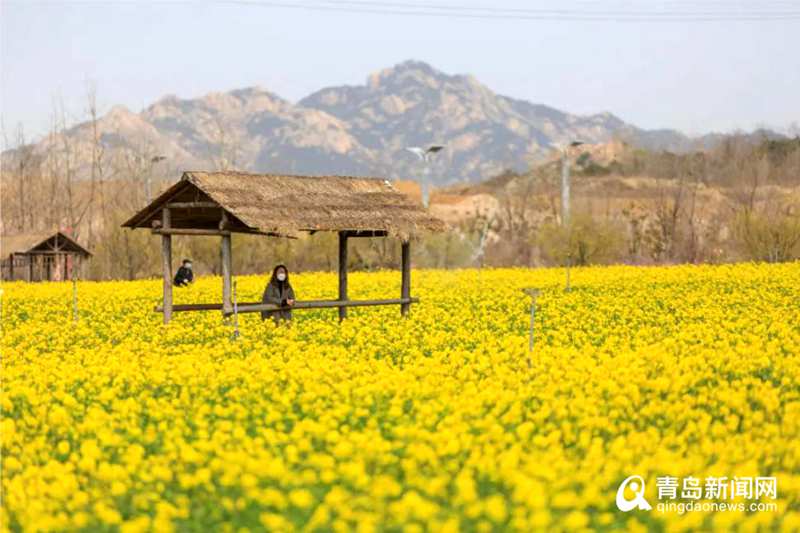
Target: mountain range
359	130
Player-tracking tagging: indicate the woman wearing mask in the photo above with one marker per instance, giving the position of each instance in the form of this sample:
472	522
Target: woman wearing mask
279	292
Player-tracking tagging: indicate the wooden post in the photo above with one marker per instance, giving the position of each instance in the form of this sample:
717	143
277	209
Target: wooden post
11	269
342	273
235	313
30	266
75	293
66	266
166	260
405	286
227	301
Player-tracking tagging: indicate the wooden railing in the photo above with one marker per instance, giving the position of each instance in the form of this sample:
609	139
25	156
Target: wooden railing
256	307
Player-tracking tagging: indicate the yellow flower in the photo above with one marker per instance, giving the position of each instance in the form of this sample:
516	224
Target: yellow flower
440	421
496	508
301	498
63	447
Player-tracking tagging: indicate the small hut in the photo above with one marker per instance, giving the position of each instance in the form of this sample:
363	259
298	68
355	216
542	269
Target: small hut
224	203
48	256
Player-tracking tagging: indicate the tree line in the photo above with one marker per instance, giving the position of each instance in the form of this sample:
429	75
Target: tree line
737	201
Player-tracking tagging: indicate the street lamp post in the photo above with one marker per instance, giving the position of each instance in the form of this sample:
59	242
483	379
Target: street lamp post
425	155
565	188
565	202
147	184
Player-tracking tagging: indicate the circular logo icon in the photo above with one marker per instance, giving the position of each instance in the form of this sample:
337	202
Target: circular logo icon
636	484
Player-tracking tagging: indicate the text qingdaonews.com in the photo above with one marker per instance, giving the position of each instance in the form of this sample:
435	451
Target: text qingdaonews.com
683	507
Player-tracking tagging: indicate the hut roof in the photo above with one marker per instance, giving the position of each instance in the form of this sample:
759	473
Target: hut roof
41	242
285	204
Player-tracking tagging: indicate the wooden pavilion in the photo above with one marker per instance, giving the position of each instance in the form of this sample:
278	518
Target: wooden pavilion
224	203
47	256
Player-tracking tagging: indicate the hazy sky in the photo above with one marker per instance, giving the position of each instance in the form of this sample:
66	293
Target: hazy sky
694	76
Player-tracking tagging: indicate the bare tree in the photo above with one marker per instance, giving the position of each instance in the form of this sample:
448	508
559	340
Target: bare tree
96	168
19	176
226	147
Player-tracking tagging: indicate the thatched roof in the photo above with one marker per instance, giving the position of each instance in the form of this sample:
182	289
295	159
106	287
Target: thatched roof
285	205
41	242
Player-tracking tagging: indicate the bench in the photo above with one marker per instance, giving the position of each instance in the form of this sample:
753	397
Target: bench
257	307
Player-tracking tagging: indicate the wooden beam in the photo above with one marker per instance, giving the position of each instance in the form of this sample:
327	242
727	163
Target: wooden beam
177	308
251	231
30	268
193	205
323	304
11	268
342	273
405	282
166	262
253	307
366	233
47	252
189	231
225	252
212	232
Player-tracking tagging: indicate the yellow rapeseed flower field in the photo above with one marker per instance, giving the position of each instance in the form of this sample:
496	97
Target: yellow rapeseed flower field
440	422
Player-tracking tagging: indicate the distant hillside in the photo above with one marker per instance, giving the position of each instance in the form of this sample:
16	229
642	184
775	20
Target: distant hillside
359	130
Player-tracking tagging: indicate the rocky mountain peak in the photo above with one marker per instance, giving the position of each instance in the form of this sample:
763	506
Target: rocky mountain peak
404	73
365	129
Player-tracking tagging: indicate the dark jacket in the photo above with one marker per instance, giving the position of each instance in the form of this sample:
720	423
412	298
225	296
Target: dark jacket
278	292
183	277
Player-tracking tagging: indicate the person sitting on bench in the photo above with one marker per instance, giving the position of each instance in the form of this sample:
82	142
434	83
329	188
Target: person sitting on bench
184	276
279	292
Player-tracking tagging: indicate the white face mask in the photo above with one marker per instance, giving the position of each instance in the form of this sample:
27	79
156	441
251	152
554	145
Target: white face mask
188	265
281	276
